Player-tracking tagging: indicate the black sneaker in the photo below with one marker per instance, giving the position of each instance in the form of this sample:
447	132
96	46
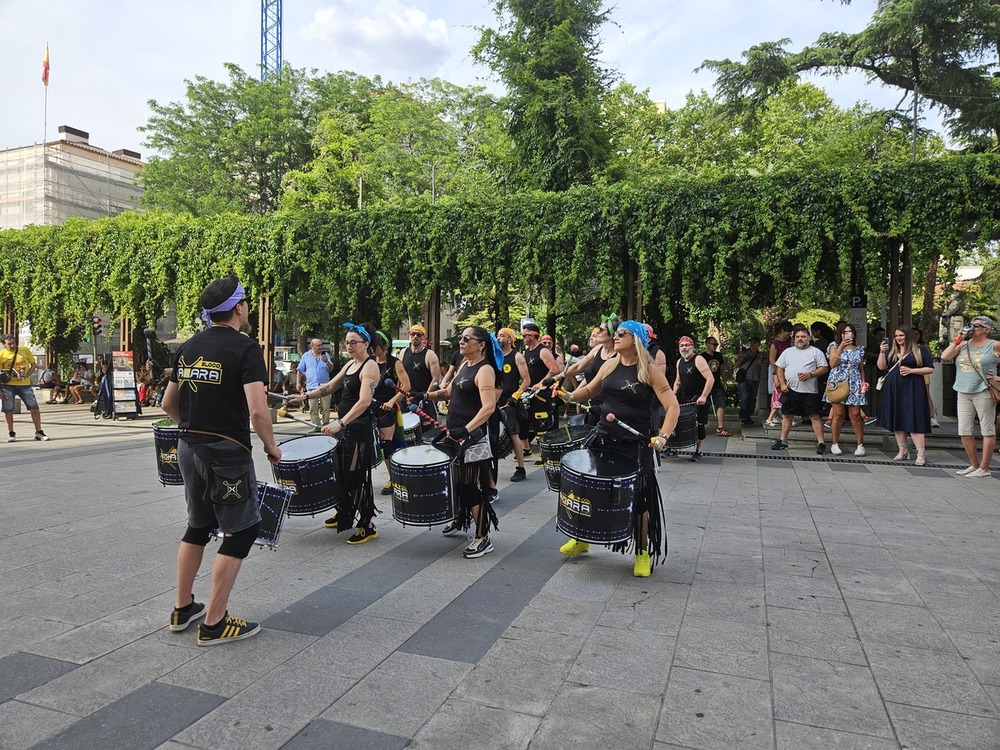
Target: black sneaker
779	445
697	456
331	522
480	546
228	629
821	448
451	528
41	436
519	474
539	461
363	535
387	490
181	618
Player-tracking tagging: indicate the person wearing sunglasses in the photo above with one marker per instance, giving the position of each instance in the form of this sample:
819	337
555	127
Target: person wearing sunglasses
601	352
353	426
976	358
472	397
422	366
630	385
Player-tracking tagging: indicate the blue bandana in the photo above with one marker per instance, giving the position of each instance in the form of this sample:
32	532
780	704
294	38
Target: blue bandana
229	304
497	351
636	329
360	330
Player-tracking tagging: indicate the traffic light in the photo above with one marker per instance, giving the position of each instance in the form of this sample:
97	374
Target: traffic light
97	326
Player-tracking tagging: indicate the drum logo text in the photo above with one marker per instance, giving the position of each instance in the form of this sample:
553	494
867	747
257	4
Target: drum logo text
290	485
169	456
400	493
575	504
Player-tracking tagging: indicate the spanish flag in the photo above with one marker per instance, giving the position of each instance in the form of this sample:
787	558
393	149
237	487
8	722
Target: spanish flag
45	66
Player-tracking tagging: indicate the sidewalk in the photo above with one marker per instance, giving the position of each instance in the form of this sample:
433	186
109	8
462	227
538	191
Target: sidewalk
805	603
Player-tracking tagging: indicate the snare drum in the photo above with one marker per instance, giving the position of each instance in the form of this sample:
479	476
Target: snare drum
554	444
423	486
597	496
308	468
272	502
165	435
685	434
413	433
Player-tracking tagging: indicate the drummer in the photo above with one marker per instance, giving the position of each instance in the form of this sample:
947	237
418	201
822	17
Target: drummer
388	413
629	384
473	399
602	350
353	426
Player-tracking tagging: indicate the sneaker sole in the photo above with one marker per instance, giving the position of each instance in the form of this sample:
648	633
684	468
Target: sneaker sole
366	539
230	639
475	555
192	619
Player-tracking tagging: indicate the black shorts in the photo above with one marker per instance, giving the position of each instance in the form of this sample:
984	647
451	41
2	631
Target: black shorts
800	404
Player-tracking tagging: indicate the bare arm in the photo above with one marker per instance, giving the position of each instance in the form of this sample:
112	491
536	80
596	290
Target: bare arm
581	364
434	365
171	403
522	370
260	418
549	361
706	372
486	383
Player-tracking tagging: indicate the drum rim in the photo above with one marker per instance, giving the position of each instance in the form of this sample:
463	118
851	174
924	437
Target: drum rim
634	473
332	446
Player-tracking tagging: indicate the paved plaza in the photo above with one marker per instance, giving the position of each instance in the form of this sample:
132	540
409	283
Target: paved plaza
805	603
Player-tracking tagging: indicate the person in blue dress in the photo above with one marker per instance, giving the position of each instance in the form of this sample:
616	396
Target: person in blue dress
903	408
847	360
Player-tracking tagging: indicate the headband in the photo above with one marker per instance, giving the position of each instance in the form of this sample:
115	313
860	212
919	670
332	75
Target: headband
509	332
236	297
609	319
637	329
497	351
358	329
418	329
383	337
685	340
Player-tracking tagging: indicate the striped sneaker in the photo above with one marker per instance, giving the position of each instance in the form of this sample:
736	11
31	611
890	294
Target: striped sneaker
181	618
228	629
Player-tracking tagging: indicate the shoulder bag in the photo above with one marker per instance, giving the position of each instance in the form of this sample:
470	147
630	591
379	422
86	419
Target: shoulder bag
994	390
881	381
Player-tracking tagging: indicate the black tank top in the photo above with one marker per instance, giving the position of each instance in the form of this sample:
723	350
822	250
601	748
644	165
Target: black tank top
691	380
630	401
352	392
465	400
537	369
416	367
591	372
511	375
384	393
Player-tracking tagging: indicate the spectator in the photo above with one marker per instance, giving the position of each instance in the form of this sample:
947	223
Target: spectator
49	380
314	371
19	363
798	371
781	341
82	381
749	364
846	361
903	408
717	364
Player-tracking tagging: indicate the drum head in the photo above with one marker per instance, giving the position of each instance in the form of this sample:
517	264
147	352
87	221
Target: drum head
563	435
307	446
599	463
419	455
410	421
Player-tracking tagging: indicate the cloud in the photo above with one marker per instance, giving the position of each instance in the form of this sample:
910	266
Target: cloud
389	35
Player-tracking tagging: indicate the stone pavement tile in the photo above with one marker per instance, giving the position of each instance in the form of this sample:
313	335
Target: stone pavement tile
22	725
323	735
798	736
897	624
929	678
813	634
830	531
730	568
30	576
408	688
924	727
320	612
356	647
881	585
981	652
410	603
98	603
746	544
227	671
985	567
22	672
646	604
680	564
458	633
25	632
267	714
137	720
585	716
457	725
826	694
624	660
775	535
550	613
722	646
523	672
95	685
727	601
592	577
795	561
940	574
976	608
858	555
103	636
708	710
819	594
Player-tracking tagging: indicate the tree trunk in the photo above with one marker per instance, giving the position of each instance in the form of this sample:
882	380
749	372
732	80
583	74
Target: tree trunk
928	314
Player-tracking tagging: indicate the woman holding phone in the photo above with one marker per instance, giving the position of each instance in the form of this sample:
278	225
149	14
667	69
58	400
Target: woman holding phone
847	361
903	408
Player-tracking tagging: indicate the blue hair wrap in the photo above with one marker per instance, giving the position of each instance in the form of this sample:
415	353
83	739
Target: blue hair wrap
637	329
497	351
359	330
229	304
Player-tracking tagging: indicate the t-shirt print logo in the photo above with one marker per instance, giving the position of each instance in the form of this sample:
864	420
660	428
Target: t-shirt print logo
232	489
199	371
629	385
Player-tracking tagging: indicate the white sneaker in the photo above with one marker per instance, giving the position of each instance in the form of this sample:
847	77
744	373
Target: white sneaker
934	422
967	470
860	451
978	473
835	449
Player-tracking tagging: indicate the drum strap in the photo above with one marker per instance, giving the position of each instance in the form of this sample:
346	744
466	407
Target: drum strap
216	434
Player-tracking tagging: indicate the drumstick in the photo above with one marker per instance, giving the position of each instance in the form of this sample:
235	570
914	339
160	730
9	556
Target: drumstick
284	413
613	418
282	396
421	413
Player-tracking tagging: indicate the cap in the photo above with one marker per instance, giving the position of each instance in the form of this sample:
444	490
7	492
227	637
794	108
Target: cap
418	329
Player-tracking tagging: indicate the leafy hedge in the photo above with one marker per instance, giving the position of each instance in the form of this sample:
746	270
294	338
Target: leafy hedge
718	247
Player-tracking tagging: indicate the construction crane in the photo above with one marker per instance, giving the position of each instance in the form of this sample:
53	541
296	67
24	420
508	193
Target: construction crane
270	39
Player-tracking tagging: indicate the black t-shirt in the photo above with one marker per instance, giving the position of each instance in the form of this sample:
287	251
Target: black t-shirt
416	367
716	364
629	400
537	369
591	370
466	400
210	371
383	392
692	382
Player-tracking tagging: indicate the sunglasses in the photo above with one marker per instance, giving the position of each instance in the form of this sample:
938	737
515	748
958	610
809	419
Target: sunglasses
978	325
622	332
467	339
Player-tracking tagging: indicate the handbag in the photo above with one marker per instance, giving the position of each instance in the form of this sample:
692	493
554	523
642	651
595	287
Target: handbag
881	381
837	392
994	390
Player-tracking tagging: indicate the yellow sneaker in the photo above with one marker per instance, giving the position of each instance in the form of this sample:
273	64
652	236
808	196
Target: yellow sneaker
642	567
575	547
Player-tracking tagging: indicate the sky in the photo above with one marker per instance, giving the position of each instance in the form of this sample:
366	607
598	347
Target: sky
109	57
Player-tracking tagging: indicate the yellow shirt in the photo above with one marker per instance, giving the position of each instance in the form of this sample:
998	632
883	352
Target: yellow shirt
22	360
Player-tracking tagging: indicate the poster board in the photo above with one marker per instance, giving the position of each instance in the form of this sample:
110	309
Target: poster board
124	392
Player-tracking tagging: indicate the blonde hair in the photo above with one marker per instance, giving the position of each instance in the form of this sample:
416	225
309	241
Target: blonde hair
910	347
